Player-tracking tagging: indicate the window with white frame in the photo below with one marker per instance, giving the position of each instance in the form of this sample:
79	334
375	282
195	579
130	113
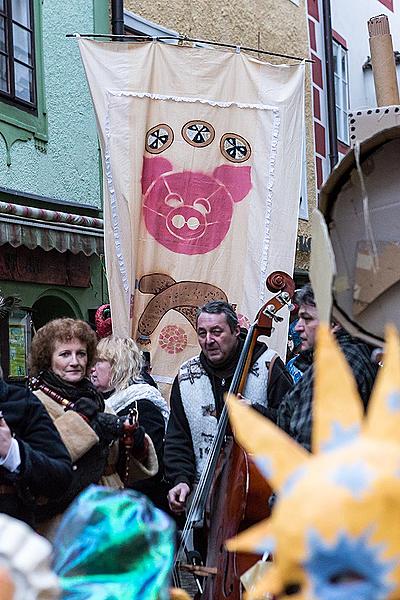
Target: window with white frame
341	91
17	63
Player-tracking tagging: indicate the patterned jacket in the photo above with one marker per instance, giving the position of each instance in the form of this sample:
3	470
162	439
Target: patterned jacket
295	411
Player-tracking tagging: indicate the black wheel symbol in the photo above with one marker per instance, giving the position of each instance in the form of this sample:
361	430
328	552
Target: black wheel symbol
198	133
159	138
235	148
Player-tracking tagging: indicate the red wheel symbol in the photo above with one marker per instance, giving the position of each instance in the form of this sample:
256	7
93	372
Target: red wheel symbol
172	339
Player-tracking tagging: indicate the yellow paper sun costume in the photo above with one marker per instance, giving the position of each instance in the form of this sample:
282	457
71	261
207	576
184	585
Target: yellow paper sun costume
335	529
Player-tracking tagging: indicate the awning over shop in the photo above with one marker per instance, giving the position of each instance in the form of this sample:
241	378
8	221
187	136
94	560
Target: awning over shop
49	229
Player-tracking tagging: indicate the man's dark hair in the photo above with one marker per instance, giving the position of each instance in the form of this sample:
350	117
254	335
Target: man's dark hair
305	295
218	307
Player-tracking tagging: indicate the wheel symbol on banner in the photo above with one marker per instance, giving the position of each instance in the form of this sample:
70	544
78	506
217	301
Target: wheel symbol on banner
159	138
198	133
235	148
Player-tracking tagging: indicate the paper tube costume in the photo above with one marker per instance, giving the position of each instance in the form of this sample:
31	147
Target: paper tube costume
335	530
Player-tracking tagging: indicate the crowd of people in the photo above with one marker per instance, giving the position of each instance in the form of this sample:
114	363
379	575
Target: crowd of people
93	414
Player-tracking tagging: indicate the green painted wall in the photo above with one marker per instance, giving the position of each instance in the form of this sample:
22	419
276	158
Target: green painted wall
68	168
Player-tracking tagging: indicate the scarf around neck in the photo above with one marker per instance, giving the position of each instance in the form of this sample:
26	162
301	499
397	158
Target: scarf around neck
121	400
82	388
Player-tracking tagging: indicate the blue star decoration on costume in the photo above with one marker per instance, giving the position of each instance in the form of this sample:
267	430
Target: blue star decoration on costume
350	568
356	477
393	402
264	465
340	435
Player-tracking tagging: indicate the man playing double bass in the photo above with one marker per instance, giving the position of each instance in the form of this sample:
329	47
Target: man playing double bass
198	390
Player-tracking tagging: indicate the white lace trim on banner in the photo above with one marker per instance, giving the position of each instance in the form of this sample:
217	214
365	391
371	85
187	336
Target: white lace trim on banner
114	210
218	103
268	208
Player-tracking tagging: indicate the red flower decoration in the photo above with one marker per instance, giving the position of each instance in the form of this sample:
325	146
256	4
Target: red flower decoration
172	339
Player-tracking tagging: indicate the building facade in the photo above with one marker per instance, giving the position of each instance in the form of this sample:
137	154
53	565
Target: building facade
51	231
354	88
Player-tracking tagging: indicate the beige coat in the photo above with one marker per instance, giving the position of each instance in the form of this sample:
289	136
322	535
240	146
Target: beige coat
78	438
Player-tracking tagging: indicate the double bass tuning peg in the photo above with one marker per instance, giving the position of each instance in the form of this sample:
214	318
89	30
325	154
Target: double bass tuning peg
269	311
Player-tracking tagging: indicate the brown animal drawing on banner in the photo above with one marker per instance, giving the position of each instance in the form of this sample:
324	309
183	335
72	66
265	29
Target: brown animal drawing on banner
168	294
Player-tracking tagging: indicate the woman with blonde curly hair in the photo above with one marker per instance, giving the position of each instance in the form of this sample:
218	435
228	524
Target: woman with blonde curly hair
62	354
116	373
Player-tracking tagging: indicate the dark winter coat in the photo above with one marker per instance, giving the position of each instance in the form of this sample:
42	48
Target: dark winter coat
152	416
45	468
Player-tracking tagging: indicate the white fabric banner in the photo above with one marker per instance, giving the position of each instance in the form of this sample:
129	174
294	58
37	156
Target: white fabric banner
202	153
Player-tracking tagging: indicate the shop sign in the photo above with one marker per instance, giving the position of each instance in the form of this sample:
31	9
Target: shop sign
38	266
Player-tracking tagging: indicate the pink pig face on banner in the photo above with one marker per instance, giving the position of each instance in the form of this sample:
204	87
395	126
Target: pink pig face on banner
190	212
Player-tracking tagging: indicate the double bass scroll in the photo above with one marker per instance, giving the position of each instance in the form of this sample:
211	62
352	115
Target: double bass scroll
283	286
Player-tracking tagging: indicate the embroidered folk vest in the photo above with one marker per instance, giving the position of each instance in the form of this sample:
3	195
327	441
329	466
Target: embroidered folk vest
199	402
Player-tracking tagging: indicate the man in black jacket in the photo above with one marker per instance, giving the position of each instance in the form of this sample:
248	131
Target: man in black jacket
197	395
33	460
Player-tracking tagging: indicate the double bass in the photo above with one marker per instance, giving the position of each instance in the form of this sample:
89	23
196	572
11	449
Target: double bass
231	494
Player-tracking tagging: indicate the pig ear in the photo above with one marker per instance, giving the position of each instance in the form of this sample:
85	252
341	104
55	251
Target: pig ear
153	168
237	180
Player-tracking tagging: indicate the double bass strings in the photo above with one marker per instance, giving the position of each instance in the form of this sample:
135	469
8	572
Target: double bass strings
197	506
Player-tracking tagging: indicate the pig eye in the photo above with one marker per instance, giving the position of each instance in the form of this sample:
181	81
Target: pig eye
235	148
198	133
159	138
202	205
173	200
